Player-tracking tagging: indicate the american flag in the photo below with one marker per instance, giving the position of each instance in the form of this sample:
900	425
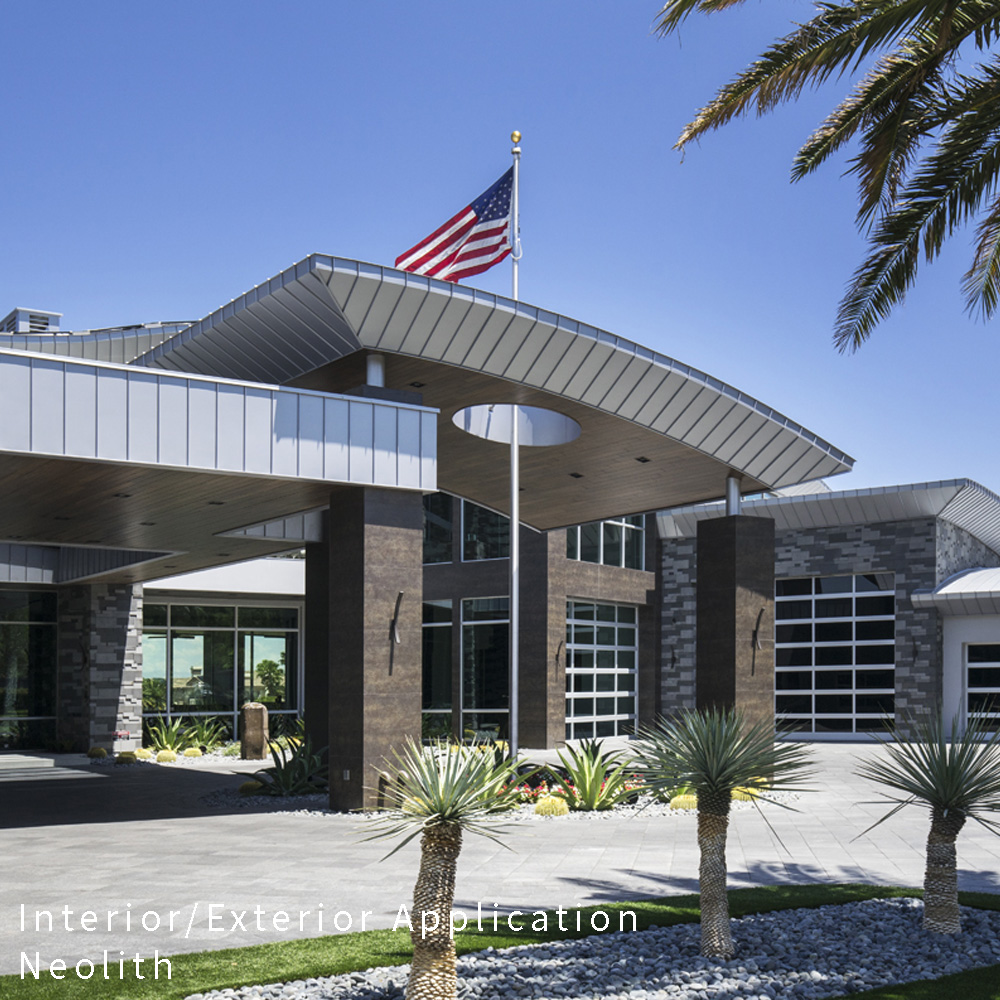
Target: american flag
468	243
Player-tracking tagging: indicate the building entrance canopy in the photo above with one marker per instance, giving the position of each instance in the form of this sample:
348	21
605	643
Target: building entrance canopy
655	432
142	459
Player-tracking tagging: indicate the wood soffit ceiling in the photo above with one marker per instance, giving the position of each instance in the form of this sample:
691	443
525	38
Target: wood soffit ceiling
58	501
597	476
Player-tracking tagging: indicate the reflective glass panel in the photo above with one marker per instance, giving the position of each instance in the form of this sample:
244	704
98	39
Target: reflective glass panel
27	669
154	671
202	677
264	673
438	528
487	534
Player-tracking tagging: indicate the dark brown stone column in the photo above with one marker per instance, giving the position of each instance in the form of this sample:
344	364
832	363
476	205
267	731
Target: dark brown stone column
375	552
542	682
316	651
735	605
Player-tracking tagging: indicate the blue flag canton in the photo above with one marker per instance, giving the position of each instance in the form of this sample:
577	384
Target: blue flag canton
494	202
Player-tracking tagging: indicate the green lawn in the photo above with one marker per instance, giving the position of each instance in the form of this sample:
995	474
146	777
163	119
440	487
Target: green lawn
324	956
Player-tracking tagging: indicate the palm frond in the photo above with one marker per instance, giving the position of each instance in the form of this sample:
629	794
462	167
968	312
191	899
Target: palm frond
981	284
676	11
714	752
944	194
838	40
958	773
442	784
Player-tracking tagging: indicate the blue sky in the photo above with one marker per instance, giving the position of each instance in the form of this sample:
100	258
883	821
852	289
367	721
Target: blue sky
163	158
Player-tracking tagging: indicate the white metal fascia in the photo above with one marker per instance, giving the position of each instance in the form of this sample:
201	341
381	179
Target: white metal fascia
68	408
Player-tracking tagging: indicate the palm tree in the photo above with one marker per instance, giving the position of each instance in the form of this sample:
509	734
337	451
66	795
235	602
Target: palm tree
438	792
958	778
926	116
712	752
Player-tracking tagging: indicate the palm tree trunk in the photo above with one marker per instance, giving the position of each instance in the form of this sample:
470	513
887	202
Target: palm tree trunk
713	821
432	974
941	913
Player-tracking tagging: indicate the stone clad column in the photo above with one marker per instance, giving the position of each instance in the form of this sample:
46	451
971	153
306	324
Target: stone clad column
100	665
735	604
374	552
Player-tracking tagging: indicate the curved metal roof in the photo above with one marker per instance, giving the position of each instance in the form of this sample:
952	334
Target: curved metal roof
971	592
326	309
961	502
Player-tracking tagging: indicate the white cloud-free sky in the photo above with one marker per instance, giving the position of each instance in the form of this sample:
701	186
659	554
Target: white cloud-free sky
162	158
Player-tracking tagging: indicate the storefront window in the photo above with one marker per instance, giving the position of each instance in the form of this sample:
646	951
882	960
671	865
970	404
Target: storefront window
485	667
208	660
437	669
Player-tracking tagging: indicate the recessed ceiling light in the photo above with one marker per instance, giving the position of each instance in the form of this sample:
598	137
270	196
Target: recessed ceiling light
216	503
147	524
576	475
121	496
418	385
223	554
643	460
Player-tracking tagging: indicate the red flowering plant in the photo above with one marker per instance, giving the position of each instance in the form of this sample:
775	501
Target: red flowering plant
595	780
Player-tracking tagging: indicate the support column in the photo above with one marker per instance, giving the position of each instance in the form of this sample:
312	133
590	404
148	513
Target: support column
735	609
100	666
316	641
543	646
375	553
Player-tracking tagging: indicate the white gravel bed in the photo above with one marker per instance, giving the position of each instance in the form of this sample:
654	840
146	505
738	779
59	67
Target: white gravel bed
805	954
315	805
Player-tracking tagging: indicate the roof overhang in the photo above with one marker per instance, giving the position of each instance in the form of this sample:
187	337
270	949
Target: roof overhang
971	592
111	471
961	502
655	432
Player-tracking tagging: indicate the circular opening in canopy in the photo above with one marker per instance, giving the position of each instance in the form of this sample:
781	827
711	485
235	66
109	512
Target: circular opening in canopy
536	426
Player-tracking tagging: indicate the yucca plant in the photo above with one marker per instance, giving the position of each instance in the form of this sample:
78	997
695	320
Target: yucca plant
594	780
958	778
296	771
207	733
712	752
438	793
164	735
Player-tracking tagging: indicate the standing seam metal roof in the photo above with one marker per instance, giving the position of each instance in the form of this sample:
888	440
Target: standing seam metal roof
324	308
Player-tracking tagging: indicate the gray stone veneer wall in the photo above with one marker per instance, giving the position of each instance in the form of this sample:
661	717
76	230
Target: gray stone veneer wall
921	553
958	550
100	665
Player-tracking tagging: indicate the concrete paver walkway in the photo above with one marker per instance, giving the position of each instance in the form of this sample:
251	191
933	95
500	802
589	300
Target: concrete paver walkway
131	846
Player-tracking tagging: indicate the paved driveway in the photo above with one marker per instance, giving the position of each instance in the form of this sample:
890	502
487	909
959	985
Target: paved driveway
135	845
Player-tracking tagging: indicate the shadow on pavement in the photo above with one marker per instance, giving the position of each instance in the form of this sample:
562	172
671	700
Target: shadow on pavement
78	793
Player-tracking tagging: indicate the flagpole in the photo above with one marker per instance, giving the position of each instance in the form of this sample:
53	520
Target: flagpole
515	221
515	499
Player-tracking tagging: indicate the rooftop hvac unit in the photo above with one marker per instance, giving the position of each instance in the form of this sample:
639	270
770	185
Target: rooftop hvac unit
31	321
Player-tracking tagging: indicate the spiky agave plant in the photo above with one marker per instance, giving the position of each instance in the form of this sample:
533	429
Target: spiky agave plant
438	792
712	752
957	777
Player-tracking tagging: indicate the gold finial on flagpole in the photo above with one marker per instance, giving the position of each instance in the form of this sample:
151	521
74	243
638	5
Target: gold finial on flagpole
515	137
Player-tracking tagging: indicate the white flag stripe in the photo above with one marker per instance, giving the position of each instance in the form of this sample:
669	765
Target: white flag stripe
428	246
